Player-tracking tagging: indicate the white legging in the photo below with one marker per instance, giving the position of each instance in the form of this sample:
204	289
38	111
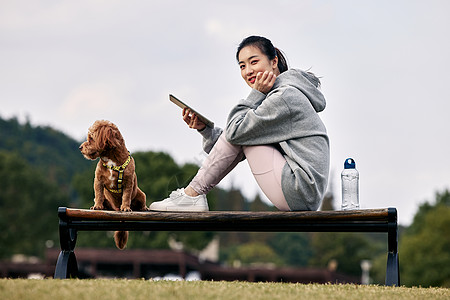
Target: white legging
265	161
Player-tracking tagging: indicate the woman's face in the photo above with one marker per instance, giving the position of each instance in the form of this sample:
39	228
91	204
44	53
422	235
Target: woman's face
252	61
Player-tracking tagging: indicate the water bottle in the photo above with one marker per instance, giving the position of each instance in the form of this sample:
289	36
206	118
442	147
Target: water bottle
350	183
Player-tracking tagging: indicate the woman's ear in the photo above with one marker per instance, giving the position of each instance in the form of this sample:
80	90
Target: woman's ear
275	63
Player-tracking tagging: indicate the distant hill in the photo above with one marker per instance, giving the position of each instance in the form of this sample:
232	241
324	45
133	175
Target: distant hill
52	152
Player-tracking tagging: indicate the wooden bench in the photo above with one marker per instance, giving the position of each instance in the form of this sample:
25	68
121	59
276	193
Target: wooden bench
72	220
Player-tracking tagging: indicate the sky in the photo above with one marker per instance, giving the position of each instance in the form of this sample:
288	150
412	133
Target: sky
384	67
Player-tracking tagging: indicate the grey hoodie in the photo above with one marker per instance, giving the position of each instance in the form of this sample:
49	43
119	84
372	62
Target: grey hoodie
287	118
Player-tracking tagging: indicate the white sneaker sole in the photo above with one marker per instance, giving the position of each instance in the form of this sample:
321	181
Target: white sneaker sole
178	208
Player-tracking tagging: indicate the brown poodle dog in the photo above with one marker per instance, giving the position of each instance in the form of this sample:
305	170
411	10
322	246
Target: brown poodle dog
115	182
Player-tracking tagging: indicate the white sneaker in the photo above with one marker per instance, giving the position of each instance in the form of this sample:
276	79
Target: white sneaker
179	201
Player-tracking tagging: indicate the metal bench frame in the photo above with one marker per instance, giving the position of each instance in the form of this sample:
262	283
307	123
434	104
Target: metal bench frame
72	220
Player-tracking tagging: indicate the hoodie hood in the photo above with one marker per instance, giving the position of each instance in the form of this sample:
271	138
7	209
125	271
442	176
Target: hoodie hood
307	83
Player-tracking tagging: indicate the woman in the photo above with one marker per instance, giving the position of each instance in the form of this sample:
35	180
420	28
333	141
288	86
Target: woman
276	128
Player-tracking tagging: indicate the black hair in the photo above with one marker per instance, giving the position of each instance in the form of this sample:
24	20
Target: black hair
267	48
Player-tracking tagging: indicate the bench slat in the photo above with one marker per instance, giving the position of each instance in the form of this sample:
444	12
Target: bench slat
368	215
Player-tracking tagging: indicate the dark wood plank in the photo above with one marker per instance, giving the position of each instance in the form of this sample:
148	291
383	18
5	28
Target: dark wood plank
230	216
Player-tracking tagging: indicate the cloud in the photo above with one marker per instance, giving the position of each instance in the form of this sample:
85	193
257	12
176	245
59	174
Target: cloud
94	98
227	31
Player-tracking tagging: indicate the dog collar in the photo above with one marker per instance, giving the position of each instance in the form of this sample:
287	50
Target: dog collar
119	169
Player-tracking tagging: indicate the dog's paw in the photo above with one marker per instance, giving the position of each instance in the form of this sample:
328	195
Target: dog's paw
98	207
125	208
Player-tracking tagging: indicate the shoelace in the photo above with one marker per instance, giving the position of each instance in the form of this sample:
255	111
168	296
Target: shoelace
176	194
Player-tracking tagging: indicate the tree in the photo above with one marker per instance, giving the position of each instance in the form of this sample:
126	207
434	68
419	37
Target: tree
55	154
425	246
254	252
293	248
348	249
28	208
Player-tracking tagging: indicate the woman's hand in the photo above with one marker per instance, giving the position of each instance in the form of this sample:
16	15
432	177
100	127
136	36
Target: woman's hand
264	81
192	120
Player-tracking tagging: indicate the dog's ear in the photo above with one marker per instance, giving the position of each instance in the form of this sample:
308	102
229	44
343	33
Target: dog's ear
100	138
114	138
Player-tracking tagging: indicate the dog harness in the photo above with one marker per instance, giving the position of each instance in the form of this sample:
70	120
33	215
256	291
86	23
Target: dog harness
120	178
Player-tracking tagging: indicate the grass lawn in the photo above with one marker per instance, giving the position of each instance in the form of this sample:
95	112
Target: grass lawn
144	289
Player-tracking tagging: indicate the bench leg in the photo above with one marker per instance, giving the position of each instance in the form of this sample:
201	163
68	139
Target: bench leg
66	266
392	268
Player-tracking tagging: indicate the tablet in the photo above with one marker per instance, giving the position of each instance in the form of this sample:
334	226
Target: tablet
183	105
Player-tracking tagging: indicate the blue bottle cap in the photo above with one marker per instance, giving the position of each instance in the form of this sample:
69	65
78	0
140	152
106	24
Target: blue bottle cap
349	164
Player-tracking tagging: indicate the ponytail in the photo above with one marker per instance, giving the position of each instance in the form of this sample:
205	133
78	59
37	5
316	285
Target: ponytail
282	63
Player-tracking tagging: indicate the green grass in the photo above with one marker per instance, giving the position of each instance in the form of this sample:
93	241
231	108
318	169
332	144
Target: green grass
143	289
